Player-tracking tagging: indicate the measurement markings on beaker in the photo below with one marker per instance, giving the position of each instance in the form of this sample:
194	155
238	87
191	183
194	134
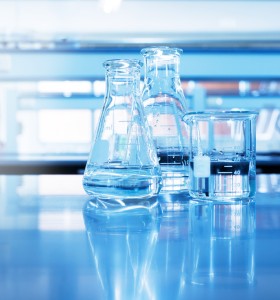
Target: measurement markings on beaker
225	172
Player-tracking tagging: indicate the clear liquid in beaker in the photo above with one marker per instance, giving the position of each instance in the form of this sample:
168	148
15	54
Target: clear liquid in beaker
227	180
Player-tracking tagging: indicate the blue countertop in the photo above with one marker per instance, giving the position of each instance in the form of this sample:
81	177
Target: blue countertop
56	243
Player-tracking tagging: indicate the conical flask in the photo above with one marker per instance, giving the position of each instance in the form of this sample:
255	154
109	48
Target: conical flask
122	163
164	105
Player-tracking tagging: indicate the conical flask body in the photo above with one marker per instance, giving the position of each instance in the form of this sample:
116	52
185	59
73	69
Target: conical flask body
165	104
123	162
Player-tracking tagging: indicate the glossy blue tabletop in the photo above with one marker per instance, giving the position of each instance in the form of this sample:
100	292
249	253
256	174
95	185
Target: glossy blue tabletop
57	243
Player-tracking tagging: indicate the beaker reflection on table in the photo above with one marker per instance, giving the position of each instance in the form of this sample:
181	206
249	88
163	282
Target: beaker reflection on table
122	243
222	243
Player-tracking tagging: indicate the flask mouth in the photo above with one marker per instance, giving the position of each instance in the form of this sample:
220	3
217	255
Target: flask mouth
123	64
161	51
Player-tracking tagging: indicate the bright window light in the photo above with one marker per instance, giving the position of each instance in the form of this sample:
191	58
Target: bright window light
99	88
65	87
60	185
64	126
108	6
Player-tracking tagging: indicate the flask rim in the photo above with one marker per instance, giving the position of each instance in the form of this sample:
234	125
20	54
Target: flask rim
160	51
122	64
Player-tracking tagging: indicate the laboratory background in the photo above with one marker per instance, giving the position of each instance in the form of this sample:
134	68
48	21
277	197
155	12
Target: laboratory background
52	87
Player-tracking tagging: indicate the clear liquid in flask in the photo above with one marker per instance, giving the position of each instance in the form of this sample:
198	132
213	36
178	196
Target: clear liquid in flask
121	182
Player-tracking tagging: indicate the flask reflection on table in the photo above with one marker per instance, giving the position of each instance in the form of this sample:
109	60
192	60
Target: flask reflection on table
167	276
122	241
222	239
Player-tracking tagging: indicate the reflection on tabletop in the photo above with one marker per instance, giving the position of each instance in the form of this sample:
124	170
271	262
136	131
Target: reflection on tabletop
222	243
197	252
122	241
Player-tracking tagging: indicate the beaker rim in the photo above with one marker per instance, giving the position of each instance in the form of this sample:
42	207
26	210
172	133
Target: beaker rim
208	114
120	63
161	50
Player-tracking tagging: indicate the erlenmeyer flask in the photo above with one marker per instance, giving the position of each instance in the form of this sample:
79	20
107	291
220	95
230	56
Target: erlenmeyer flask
164	105
122	163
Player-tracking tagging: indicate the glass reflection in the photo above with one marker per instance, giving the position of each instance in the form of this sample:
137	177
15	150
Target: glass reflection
122	241
222	243
167	278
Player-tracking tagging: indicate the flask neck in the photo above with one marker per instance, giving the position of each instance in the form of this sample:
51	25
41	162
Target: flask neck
122	82
165	69
122	77
162	75
122	85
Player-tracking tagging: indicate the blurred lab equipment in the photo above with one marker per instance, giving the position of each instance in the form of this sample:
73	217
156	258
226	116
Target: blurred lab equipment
222	154
268	131
165	104
222	239
122	163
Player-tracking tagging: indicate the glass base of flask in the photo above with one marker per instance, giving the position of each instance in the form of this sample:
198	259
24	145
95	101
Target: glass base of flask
171	202
121	182
174	194
174	181
106	207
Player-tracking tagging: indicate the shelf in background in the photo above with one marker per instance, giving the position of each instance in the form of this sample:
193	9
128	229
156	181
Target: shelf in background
75	164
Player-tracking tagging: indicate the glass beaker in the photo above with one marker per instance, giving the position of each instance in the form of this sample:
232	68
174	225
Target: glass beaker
164	105
122	163
222	154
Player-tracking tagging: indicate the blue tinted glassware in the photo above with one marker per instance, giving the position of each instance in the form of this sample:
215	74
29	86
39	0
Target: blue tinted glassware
164	105
122	163
222	154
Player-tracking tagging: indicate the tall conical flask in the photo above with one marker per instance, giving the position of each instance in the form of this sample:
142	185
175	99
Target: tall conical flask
164	105
123	162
